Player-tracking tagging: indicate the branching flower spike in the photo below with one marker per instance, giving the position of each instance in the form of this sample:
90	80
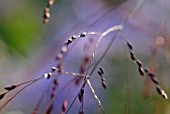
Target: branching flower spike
66	84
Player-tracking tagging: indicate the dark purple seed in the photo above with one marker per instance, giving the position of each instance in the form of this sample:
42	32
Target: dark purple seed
10	88
56	82
101	70
49	75
161	92
141	71
83	34
104	84
86	59
132	56
103	79
164	96
69	41
73	37
46	15
80	97
64	106
151	74
146	70
2	96
138	62
82	91
159	89
155	80
129	45
53	69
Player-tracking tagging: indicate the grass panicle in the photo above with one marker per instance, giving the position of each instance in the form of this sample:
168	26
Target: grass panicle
89	64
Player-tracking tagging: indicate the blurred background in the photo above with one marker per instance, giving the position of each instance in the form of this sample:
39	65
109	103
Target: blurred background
28	49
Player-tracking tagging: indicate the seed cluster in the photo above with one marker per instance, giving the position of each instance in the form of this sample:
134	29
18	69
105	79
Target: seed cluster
47	11
53	70
155	81
101	73
70	40
10	88
142	71
133	58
